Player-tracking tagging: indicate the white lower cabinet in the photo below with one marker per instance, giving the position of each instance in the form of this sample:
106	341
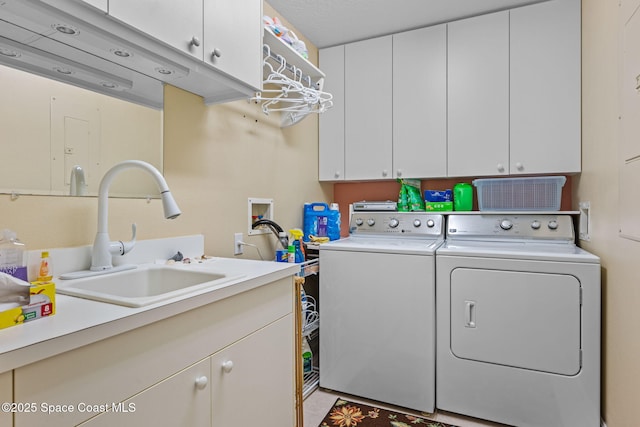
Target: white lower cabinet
6	395
252	380
183	399
217	365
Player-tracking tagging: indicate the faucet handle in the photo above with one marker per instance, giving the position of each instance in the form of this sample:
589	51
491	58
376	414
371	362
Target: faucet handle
120	247
126	247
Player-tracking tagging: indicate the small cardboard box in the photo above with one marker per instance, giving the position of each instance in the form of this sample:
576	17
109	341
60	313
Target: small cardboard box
42	304
438	206
11	317
43	301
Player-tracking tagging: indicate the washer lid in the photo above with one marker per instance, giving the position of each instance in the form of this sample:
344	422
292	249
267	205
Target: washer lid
384	245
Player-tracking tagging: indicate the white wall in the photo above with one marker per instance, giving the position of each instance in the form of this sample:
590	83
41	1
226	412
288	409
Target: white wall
599	184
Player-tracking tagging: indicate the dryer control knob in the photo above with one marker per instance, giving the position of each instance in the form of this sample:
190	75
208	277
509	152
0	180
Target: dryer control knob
535	224
359	221
417	223
553	225
393	223
431	223
371	222
505	224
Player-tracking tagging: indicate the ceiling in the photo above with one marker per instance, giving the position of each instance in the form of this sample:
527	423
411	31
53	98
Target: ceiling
332	22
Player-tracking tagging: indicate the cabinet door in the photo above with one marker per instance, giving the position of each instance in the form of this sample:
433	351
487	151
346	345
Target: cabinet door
420	103
100	4
253	378
6	395
478	89
233	38
183	399
179	24
368	109
545	88
331	122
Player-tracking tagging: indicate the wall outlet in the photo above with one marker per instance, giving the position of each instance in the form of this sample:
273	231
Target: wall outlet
237	244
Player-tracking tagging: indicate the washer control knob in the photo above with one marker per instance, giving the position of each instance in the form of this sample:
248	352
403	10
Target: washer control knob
393	223
431	223
535	224
553	225
359	221
505	224
371	222
417	223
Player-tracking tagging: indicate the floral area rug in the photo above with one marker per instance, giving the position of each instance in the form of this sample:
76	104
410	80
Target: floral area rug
350	414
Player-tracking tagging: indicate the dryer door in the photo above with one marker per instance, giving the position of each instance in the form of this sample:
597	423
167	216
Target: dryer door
520	319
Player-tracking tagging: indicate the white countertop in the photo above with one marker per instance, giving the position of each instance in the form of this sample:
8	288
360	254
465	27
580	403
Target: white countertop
79	321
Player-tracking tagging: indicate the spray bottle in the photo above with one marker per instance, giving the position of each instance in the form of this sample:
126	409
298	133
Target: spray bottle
296	240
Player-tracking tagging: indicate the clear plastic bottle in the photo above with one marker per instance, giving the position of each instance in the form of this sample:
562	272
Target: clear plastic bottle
45	273
12	259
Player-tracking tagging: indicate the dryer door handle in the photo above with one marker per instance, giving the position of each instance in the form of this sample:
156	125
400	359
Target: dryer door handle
469	314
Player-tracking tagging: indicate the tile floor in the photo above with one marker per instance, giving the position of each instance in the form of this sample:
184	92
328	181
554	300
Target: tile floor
318	403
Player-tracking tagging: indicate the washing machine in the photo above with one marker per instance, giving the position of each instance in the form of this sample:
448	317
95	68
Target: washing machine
518	321
377	308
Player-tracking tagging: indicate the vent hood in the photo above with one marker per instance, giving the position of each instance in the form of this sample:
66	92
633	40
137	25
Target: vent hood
85	47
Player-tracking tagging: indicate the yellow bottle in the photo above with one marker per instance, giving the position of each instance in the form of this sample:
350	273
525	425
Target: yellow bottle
45	273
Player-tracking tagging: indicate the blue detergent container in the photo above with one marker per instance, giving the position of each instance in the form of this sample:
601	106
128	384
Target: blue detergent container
321	221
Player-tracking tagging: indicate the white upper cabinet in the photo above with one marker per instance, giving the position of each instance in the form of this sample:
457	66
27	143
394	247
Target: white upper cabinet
103	5
368	109
545	88
420	103
478	95
331	122
233	38
179	24
170	42
496	94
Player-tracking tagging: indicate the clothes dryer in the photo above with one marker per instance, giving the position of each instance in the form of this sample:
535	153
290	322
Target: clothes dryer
518	321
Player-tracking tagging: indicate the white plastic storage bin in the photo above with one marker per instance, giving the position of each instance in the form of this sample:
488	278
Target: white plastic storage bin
520	194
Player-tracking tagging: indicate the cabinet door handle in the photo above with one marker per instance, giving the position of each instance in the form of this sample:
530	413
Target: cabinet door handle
216	53
519	166
195	41
500	167
227	366
201	382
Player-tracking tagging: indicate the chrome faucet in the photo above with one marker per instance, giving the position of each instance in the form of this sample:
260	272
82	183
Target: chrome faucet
103	247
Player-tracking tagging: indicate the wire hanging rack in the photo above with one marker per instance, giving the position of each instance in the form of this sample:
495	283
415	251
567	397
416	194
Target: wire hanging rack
289	91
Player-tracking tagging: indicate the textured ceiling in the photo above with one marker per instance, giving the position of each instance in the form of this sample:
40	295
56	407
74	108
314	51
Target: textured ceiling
333	22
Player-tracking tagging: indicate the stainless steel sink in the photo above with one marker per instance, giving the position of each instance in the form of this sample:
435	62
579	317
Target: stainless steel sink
142	286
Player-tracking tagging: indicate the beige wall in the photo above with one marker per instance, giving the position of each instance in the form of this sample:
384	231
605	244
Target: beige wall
215	158
599	184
